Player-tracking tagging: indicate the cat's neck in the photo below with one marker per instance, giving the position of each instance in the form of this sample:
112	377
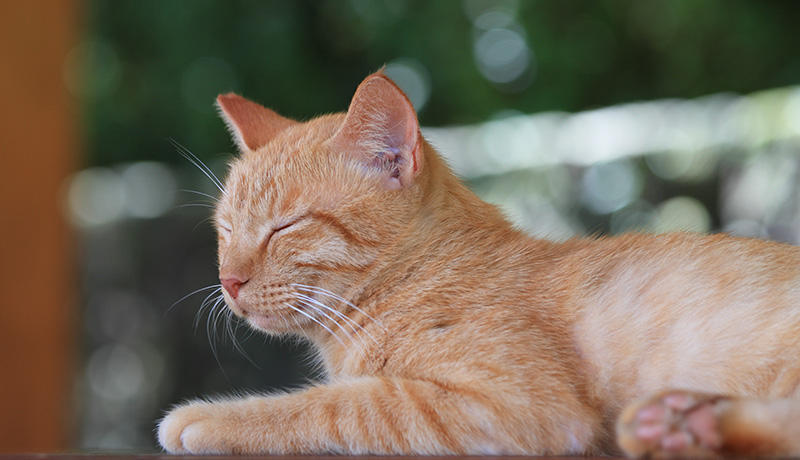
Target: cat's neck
450	224
452	231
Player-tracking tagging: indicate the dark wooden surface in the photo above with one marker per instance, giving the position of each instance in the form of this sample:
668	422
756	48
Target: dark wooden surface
123	456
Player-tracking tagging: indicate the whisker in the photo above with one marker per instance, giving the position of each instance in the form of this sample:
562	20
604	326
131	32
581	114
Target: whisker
200	223
186	153
211	197
194	205
206	302
230	318
227	319
213	286
250	332
344	317
325	292
192	158
299	327
212	336
309	358
349	336
220	307
316	321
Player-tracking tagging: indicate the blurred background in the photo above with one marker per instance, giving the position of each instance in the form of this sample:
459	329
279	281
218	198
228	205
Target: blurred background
576	117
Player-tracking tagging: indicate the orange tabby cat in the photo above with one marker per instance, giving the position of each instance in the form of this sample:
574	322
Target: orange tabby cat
445	330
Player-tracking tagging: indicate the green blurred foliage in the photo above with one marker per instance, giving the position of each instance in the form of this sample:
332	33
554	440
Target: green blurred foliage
153	67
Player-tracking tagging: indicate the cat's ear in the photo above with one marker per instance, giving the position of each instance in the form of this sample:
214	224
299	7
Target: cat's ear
381	130
251	125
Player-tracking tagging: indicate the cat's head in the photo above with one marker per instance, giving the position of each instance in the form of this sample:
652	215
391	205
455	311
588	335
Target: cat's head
309	209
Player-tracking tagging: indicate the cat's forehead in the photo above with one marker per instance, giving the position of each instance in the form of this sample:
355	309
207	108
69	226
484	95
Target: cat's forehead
285	176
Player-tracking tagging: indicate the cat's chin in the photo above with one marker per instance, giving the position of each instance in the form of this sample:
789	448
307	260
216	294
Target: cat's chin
269	323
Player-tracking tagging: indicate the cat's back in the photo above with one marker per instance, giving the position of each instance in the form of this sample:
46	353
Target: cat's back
710	313
684	272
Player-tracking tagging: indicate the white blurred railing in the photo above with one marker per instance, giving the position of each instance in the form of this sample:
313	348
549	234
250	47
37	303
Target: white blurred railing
684	126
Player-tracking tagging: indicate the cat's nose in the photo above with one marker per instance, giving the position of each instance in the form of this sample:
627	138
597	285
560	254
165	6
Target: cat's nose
232	285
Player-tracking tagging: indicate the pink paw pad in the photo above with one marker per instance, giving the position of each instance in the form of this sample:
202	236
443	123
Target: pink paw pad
677	423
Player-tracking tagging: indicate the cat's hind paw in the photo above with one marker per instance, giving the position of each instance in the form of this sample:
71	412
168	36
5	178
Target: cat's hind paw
674	423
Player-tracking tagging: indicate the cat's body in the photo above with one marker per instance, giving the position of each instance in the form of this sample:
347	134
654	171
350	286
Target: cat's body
445	330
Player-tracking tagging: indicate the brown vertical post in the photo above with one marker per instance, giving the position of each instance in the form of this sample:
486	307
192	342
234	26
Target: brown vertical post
38	149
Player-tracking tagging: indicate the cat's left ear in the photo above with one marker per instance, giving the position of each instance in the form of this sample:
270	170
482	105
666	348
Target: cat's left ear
252	126
381	130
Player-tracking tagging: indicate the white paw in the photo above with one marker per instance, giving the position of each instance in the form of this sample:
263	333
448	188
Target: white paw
198	428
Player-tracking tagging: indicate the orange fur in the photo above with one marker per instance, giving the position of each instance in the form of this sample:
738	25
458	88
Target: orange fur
444	330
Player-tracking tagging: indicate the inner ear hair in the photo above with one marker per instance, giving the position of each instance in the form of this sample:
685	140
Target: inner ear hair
389	160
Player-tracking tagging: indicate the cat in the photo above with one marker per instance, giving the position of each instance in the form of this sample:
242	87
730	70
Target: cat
442	329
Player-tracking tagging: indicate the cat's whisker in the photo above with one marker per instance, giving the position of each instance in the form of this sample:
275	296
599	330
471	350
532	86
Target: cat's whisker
199	314
353	325
220	315
220	318
192	158
232	323
314	303
200	223
250	332
211	197
300	328
325	292
318	322
186	153
229	328
213	315
216	287
346	332
205	303
230	318
212	341
210	330
194	205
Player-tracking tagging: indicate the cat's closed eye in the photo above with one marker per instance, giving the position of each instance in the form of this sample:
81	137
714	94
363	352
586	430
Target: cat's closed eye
225	229
278	230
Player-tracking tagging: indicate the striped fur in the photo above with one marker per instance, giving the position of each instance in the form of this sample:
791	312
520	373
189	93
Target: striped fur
444	330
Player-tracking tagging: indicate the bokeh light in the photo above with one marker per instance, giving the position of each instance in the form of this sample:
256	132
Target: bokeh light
608	187
682	214
500	44
502	55
413	78
97	196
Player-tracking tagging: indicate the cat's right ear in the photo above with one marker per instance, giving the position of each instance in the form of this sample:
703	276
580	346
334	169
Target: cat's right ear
250	124
381	131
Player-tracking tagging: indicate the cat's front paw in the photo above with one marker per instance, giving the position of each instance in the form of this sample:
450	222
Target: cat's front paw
674	423
199	427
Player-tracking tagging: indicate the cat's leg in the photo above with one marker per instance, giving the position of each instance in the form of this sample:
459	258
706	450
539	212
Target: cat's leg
370	416
685	423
